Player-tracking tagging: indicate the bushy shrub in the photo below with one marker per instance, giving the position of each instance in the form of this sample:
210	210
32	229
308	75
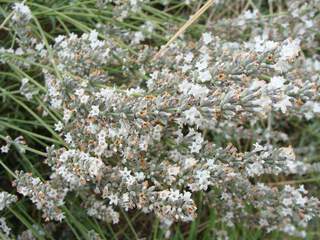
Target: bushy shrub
161	129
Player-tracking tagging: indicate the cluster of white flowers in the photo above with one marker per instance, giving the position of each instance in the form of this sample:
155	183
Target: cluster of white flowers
21	13
125	8
153	145
122	8
18	142
4	227
100	210
27	89
5	200
42	194
299	21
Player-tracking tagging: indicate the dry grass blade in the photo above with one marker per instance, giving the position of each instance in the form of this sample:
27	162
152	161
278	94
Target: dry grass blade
292	182
184	27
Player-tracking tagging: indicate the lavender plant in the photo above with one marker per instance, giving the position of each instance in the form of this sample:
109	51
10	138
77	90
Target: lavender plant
157	132
5	200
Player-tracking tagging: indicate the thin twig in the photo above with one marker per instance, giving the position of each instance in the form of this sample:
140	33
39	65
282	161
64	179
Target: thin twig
290	182
184	27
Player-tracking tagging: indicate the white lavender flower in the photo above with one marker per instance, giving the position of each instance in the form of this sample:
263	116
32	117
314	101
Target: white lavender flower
21	13
43	195
6	199
153	145
4	227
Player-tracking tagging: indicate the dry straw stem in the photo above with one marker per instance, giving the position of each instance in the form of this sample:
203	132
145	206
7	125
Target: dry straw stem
184	27
292	182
